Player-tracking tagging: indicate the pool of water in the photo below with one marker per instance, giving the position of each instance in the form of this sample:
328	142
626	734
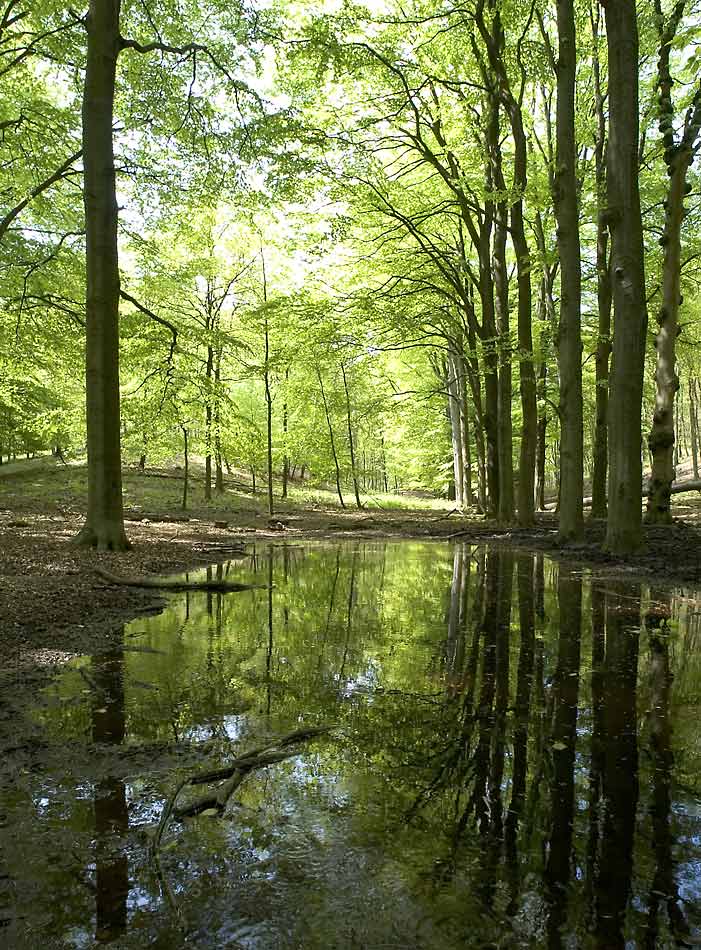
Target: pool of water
514	761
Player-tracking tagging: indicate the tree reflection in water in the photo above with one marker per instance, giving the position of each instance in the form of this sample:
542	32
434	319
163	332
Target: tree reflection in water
663	890
520	740
508	769
111	815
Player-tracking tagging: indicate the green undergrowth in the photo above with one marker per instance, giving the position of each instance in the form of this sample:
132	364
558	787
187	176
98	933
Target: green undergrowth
44	484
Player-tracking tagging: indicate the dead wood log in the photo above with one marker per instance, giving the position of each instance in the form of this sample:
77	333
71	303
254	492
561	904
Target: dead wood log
677	488
173	583
232	775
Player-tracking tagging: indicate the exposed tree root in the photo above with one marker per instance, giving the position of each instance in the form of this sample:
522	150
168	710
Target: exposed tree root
231	777
169	583
112	538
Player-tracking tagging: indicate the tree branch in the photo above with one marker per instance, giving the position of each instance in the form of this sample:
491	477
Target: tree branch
60	173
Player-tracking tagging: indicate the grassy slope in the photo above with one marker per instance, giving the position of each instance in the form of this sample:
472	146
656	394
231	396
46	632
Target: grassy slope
45	485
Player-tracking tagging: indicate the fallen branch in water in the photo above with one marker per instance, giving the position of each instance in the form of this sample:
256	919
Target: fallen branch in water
231	777
173	583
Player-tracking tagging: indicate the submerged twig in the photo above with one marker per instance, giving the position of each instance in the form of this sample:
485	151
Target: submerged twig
231	777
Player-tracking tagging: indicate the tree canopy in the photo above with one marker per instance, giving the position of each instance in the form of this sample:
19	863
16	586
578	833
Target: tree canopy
374	245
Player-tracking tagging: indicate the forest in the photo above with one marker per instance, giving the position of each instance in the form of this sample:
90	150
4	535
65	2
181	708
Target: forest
350	535
369	247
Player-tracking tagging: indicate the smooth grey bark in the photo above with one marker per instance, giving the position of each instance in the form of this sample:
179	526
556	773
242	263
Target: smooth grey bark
457	429
455	433
473	376
186	470
461	371
569	337
494	42
351	443
603	289
104	523
285	428
678	157
504	430
694	427
218	468
527	383
209	366
624	525
546	316
469	498
268	392
501	312
332	440
488	334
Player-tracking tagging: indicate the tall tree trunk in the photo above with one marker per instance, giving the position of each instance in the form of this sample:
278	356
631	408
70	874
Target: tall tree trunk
285	426
694	426
104	523
571	525
546	317
623	529
501	93
453	391
461	366
467	453
677	156
527	387
501	306
489	329
186	471
331	440
603	282
478	429
661	438
218	469
268	393
208	425
473	377
383	465
351	446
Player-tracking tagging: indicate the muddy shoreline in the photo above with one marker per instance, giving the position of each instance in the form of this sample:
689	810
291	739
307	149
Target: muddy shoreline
54	606
53	603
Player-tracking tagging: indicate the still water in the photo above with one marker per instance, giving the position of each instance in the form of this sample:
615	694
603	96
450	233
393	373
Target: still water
514	762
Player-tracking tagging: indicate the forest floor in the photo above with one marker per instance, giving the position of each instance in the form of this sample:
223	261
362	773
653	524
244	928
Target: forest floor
53	603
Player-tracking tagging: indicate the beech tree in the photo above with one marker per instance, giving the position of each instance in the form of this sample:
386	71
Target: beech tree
449	203
569	332
679	151
623	527
104	523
